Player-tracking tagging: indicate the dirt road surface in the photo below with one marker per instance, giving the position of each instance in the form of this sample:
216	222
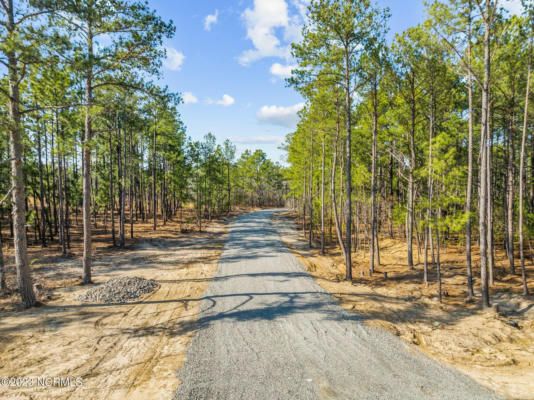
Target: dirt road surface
268	331
119	351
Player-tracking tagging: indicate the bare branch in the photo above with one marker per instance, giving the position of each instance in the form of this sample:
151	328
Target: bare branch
4	5
62	107
32	15
460	57
7	195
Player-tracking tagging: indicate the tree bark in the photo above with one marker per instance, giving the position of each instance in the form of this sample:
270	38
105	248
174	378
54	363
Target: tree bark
304	203
41	190
373	177
131	193
322	193
510	195
120	183
348	166
468	202
438	261
86	164
154	198
410	218
483	188
49	213
339	234
428	229
54	179
111	193
24	279
3	285
66	198
62	230
490	199
310	186
228	186
521	165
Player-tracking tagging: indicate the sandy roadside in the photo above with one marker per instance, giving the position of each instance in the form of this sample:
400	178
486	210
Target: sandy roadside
497	350
119	351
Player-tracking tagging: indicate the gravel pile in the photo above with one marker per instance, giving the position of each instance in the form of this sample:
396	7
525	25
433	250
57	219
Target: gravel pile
119	290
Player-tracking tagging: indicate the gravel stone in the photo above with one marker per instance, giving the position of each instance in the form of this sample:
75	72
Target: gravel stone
119	290
267	331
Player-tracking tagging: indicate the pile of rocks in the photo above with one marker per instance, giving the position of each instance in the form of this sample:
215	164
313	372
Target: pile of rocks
119	290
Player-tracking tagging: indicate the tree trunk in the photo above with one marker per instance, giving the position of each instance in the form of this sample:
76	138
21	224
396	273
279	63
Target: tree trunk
131	189
428	229
322	193
154	198
54	180
3	285
469	189
510	196
522	163
425	264
310	186
339	234
49	216
304	203
483	190
111	191
86	165
438	262
120	183
66	201
24	279
348	166
390	205
410	219
490	201
62	230
228	186
373	178
41	190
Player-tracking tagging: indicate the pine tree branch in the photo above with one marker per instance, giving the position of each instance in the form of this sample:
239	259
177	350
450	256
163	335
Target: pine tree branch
62	107
7	195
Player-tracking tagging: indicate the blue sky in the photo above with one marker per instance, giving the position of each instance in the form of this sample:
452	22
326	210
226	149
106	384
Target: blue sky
229	59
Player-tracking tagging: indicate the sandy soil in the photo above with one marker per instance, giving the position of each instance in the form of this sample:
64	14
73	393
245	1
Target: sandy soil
484	345
119	351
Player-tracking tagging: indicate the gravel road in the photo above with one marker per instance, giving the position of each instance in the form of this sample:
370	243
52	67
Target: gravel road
268	331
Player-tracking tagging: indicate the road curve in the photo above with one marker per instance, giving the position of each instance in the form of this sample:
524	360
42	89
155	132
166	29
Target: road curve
268	331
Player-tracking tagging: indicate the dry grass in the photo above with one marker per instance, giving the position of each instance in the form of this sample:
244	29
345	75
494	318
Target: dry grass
495	349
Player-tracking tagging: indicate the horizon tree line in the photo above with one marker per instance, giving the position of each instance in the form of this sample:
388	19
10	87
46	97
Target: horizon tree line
90	140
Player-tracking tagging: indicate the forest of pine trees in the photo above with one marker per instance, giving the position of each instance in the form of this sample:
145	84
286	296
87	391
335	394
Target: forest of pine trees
90	141
427	138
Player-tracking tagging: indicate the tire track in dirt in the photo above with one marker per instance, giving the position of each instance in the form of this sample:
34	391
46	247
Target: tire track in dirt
120	350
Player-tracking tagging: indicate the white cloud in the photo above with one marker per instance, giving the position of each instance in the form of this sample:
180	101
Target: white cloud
211	19
174	59
190	98
301	6
225	101
283	116
513	6
262	22
282	71
262	139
